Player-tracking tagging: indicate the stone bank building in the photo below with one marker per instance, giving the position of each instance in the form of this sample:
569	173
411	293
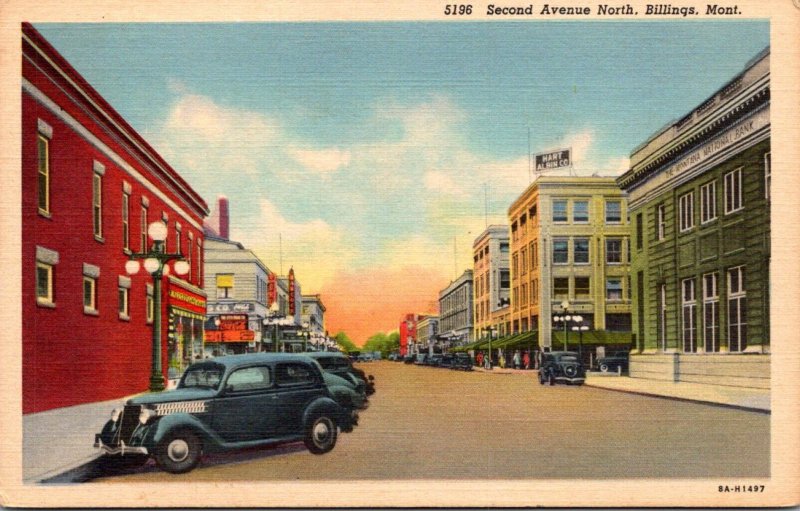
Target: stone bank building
699	202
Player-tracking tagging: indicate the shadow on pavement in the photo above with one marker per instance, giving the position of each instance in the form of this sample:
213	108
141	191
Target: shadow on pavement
103	467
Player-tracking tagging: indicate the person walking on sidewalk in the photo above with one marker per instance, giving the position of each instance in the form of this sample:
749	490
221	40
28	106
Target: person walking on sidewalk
502	358
516	359
526	360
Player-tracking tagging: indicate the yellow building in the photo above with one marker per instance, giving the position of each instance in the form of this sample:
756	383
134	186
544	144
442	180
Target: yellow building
570	257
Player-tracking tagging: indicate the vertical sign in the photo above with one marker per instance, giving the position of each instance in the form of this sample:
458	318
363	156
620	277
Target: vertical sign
291	292
272	289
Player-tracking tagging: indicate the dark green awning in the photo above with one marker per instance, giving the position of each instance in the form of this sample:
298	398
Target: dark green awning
591	338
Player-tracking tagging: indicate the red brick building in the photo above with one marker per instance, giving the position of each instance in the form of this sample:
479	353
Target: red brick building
408	334
90	187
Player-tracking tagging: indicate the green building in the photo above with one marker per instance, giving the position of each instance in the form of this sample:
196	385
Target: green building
699	205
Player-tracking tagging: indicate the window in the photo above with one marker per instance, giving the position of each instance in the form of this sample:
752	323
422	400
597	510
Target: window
97	204
524	294
122	294
504	248
733	191
535	291
708	202
225	286
639	233
559	211
661	222
767	174
143	229
582	288
178	240
89	294
580	211
614	289
581	250
686	211
44	283
710	313
505	279
189	254
43	185
614	250
534	251
515	265
524	259
560	288
689	304
199	262
662	316
560	251
249	378
737	310
613	212
149	304
126	244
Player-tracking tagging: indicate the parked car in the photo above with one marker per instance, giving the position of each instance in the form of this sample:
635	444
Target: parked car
447	361
563	366
422	359
462	361
434	360
338	364
365	357
613	362
409	359
228	403
348	396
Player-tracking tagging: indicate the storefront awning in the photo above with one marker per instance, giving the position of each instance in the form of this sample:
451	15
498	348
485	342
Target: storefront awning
591	338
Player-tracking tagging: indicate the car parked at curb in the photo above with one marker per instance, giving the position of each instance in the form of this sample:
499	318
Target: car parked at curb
462	361
613	362
228	403
340	365
561	366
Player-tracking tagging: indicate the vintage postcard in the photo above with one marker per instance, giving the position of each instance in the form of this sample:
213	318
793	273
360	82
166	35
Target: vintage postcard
412	254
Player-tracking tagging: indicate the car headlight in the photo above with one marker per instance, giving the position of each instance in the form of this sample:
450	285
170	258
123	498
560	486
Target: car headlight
115	415
146	414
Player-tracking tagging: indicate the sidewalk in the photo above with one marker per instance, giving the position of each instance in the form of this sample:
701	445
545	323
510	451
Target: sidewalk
757	400
62	439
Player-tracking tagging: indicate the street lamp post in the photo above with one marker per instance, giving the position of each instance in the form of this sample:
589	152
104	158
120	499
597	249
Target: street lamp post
580	329
155	263
305	333
273	317
490	330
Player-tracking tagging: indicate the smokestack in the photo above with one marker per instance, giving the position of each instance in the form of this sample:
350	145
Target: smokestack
224	218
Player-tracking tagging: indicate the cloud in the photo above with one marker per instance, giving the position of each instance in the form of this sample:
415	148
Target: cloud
314	248
321	161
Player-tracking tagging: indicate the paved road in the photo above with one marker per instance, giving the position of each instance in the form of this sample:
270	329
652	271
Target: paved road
426	423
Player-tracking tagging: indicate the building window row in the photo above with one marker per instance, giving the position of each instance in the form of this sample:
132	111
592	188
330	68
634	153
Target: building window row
580	211
582	288
737	313
733	201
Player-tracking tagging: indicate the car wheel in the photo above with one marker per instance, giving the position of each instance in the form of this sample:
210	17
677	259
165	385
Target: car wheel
321	435
179	452
551	379
604	368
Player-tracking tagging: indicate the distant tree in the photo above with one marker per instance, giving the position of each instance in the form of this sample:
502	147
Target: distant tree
385	343
345	344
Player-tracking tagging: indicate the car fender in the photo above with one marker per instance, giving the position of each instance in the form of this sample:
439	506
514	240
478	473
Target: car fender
324	405
168	423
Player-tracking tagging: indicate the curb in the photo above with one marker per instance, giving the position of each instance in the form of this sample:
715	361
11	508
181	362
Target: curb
684	399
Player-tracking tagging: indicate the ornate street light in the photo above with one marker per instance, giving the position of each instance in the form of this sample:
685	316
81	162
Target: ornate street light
305	333
580	329
273	318
489	330
155	263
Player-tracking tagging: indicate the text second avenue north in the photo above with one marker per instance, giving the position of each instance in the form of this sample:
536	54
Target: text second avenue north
549	9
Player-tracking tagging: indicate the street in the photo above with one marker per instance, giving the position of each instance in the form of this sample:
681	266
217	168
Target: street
426	423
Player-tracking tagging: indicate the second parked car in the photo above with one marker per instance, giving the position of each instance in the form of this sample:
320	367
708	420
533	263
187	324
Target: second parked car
561	366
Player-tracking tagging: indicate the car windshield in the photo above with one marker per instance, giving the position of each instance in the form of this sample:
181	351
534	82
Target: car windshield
204	376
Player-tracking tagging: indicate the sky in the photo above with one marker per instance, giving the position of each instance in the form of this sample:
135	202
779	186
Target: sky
369	156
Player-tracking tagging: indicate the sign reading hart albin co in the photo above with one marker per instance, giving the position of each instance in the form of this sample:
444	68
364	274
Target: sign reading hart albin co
553	160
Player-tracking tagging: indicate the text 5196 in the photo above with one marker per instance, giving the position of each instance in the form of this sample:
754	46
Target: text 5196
458	9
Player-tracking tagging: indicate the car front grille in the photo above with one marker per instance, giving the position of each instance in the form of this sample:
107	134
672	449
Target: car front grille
128	422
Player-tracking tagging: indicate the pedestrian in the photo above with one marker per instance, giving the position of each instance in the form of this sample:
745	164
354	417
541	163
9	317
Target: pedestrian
479	358
526	360
516	359
502	358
